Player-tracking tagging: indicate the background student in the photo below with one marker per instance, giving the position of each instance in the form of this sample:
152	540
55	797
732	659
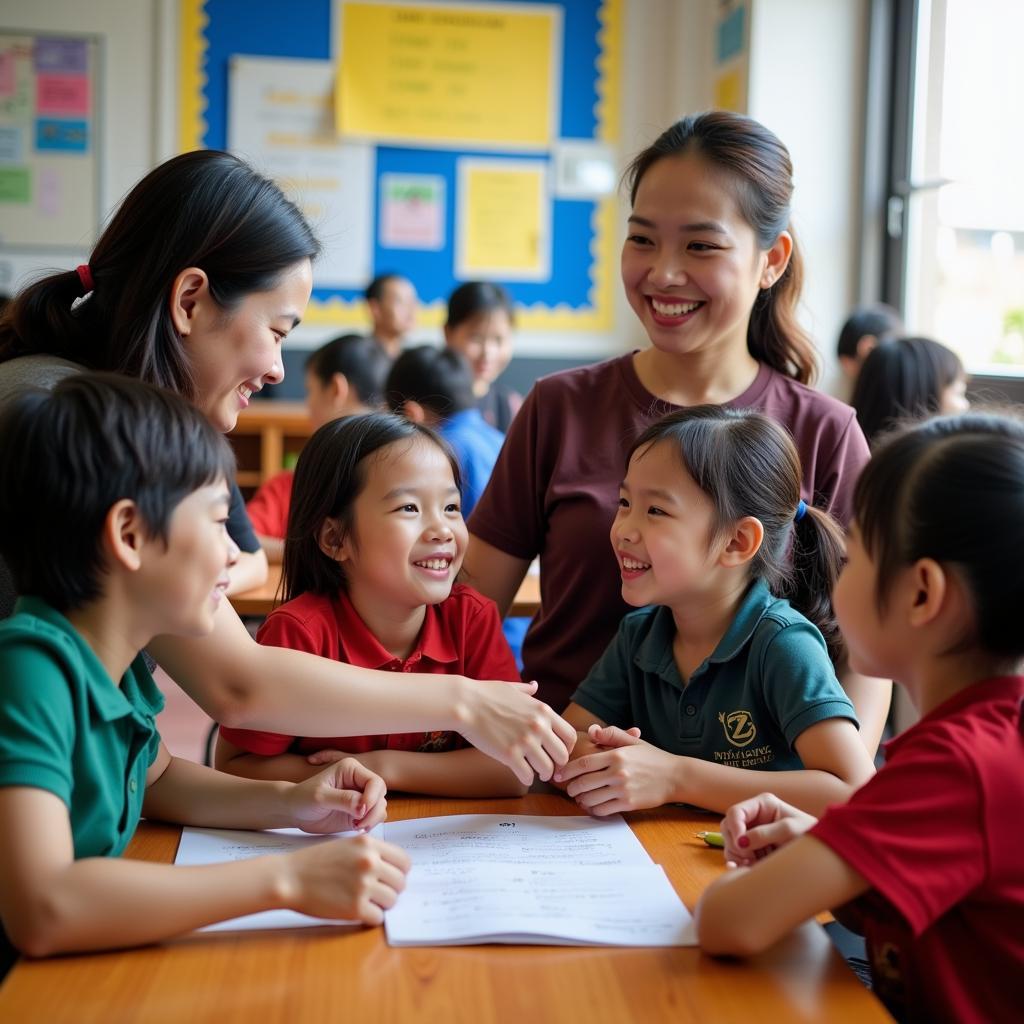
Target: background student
908	378
863	329
435	386
375	543
193	285
394	307
345	377
730	684
479	325
106	561
929	849
711	269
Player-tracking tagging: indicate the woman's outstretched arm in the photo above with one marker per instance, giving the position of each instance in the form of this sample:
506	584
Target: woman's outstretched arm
242	684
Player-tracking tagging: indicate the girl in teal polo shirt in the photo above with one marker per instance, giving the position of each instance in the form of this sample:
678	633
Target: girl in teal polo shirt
726	670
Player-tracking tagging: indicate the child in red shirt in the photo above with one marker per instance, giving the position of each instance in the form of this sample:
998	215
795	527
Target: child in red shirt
930	848
376	539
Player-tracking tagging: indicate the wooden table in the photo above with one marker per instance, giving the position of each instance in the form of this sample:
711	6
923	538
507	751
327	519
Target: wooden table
263	600
352	975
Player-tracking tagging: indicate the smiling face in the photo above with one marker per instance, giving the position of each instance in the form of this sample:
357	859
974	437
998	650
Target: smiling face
662	532
182	583
691	266
408	537
232	356
486	342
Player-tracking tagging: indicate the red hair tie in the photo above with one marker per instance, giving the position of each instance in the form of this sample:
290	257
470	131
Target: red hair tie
85	276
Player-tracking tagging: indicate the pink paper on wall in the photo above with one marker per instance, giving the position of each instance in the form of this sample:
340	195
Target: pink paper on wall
62	94
49	199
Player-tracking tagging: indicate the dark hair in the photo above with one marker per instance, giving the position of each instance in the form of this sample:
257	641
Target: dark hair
331	473
362	361
878	321
478	298
440	379
375	289
758	168
902	379
68	456
747	465
952	489
205	209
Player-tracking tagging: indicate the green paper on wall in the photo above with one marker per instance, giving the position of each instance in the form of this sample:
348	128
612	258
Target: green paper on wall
15	185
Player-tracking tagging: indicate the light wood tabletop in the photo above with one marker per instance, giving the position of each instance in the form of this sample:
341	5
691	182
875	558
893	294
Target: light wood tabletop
351	974
263	600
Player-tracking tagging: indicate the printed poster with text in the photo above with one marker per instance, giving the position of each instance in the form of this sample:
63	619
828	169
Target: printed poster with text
449	75
48	158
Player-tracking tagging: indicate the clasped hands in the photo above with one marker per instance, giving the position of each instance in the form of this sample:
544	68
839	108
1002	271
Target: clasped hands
618	771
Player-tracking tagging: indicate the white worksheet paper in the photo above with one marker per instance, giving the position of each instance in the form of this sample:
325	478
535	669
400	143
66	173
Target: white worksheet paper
539	839
217	845
531	879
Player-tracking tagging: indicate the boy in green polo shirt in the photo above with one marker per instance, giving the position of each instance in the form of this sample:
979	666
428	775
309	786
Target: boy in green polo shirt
113	499
725	669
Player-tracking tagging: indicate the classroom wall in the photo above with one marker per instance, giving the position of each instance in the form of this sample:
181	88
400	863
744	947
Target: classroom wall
809	93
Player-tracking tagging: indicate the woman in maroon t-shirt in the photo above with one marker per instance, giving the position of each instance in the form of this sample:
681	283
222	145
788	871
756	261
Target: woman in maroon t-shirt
712	270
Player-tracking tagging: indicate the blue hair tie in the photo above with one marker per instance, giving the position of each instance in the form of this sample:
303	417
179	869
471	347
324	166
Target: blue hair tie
801	510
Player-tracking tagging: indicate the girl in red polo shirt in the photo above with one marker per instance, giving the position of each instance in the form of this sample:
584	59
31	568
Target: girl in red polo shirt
929	850
375	542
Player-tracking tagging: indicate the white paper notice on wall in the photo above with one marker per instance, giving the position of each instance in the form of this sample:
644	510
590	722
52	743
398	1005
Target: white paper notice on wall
281	119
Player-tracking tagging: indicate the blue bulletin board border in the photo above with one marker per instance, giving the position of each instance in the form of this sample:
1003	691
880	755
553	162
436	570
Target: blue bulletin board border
580	294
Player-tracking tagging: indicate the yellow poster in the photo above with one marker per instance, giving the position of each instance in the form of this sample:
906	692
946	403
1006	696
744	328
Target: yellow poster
729	92
504	221
449	75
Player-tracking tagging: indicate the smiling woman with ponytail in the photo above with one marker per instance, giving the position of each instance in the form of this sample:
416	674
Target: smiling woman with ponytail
711	268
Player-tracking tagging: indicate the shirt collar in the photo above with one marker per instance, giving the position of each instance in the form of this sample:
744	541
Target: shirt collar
464	417
655	652
362	648
983	691
137	691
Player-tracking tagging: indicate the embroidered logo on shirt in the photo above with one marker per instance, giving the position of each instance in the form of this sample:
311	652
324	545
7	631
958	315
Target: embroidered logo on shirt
739	727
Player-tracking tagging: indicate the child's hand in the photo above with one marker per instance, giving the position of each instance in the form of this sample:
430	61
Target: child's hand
753	828
355	879
344	795
627	774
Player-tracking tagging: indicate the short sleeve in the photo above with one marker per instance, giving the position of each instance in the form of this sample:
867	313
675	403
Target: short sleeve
37	725
605	691
238	526
267	509
279	630
915	831
839	472
510	514
799	682
488	655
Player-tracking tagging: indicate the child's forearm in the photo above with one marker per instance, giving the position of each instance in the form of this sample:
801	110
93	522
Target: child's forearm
102	903
289	767
191	794
466	773
717	786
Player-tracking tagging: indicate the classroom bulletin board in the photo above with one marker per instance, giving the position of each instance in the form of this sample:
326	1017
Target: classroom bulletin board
49	150
447	141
